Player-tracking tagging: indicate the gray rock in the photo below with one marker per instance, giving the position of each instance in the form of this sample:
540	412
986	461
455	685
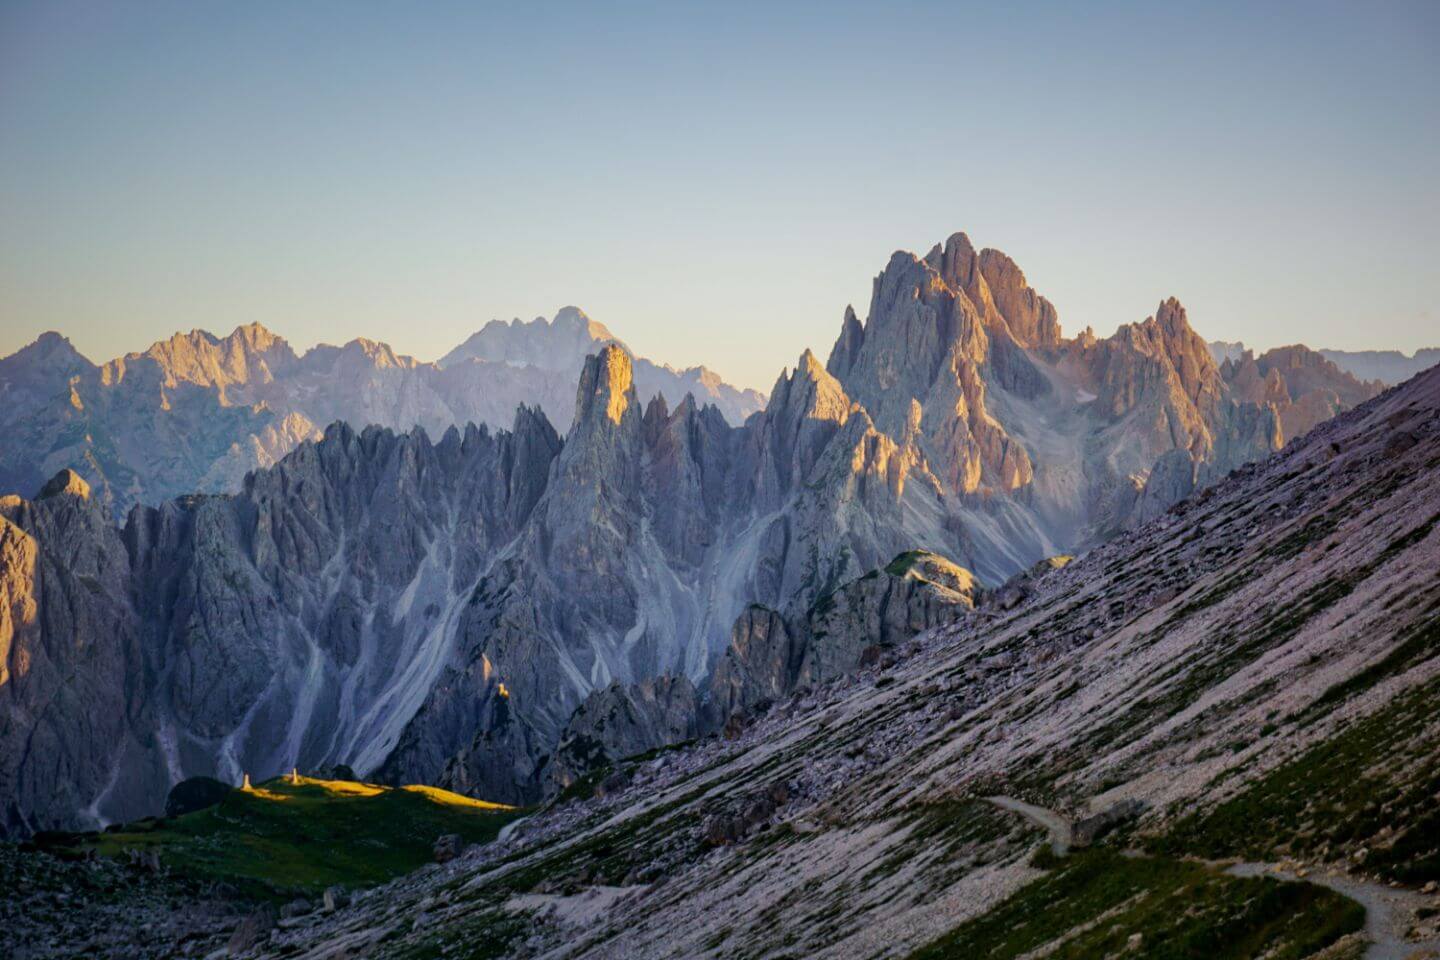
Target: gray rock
253	930
334	898
448	846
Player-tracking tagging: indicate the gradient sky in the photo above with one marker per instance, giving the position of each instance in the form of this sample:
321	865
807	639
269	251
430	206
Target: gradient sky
713	182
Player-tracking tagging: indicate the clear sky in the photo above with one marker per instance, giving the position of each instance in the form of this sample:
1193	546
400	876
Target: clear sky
715	182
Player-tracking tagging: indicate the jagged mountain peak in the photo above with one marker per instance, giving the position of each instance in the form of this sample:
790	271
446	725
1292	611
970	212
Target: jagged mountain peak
1030	318
51	350
530	418
1301	385
629	548
249	353
1386	367
607	387
957	262
65	483
809	391
574	318
560	343
374	353
1167	337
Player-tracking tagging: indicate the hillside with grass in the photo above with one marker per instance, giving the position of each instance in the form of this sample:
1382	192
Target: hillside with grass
283	836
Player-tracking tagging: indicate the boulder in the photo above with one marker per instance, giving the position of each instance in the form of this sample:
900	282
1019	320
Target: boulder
448	846
613	784
253	930
722	830
334	898
1089	829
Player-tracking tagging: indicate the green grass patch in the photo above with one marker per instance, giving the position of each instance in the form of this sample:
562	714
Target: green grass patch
905	562
283	838
1096	900
1378	772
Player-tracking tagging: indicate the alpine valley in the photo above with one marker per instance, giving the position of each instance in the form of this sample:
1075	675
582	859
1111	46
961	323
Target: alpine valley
754	663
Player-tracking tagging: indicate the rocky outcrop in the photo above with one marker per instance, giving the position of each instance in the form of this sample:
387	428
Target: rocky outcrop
624	720
195	793
1023	586
762	663
915	592
70	652
768	658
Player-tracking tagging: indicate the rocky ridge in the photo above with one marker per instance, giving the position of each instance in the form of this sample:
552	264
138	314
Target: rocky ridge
196	412
1389	367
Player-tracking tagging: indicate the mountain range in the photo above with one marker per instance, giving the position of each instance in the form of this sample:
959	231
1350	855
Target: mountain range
461	610
1210	737
1387	366
196	412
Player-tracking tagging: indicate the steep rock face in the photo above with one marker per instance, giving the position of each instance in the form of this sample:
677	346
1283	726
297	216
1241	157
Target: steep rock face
196	412
1031	318
624	720
1040	445
769	658
70	654
762	663
601	586
300	622
924	345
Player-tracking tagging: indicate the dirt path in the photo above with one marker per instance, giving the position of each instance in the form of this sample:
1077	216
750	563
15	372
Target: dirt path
1059	827
1389	911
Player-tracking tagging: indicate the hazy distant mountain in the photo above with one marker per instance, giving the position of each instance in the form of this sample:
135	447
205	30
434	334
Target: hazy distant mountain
560	346
1387	367
435	605
196	412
